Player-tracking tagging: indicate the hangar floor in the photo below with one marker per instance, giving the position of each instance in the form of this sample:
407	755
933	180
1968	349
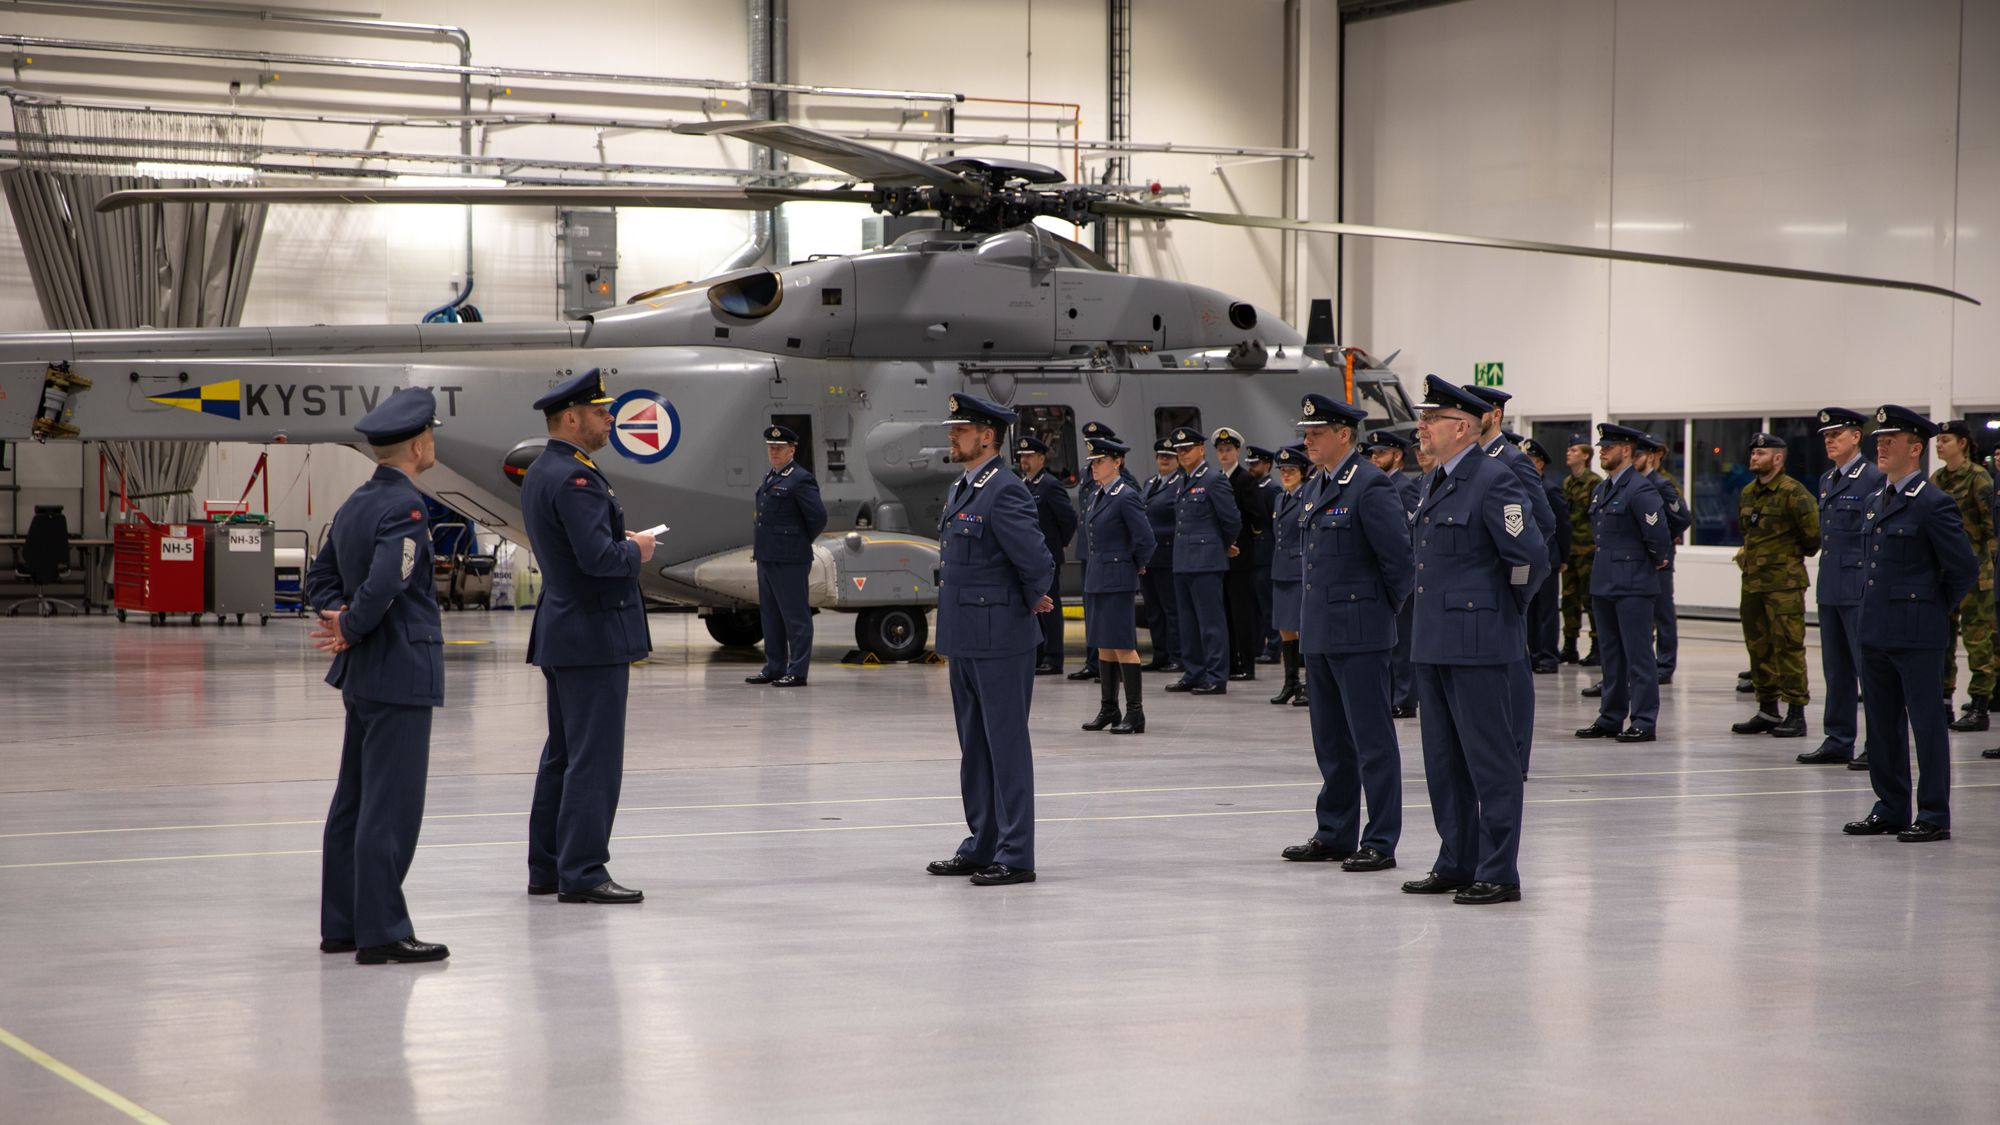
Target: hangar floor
1698	940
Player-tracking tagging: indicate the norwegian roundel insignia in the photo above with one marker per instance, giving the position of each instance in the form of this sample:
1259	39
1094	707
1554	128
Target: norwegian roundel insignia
1516	523
581	480
416	513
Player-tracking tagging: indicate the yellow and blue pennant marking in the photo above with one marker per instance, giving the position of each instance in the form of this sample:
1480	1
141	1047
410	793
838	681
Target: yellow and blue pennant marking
221	399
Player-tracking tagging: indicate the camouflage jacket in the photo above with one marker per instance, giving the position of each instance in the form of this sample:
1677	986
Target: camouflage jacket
1780	522
1577	489
1972	487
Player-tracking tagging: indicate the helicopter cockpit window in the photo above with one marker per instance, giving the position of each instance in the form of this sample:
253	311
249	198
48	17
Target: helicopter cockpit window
1055	425
750	296
1382	401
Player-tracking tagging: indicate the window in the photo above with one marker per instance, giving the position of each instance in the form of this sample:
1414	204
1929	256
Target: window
1384	401
1055	425
1672	433
1167	419
1721	469
1555	436
1805	450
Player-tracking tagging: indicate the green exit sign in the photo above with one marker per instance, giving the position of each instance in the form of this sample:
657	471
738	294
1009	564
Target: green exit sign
1489	375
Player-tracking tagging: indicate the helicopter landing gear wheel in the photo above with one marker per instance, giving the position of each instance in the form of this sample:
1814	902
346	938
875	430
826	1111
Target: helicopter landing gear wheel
893	632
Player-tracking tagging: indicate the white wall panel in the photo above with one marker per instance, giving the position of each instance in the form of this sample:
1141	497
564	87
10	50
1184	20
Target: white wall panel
1976	332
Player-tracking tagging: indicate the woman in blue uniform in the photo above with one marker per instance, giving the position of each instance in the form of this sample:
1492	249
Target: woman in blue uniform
1119	540
1288	568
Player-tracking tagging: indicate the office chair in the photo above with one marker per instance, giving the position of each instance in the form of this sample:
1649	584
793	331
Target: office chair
44	560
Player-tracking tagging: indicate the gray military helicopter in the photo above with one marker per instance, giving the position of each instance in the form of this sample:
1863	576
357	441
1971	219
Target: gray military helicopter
856	353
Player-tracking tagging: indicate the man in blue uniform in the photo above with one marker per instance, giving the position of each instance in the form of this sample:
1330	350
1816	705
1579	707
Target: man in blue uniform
1058	521
1260	462
1163	612
1494	444
589	627
994	575
1920	566
1544	625
1084	492
1649	454
371	586
1479	561
1386	449
789	517
1206	524
1239	585
1844	492
1629	523
1358	572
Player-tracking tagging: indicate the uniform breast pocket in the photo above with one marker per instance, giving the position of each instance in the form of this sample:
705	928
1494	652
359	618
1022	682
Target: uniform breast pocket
1472	617
1903	543
1448	534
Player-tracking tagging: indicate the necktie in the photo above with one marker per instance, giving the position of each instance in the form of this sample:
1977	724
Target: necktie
1437	480
959	491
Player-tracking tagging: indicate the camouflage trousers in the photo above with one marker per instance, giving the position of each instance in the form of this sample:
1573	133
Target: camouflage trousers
1576	599
1774	630
1972	621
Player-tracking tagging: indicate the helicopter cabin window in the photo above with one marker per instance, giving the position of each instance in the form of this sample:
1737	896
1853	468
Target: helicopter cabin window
748	296
1055	425
1167	419
1383	402
802	425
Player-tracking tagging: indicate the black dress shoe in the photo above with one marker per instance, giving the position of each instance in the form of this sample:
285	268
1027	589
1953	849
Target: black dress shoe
789	681
1860	761
1594	691
1824	756
1634	734
760	678
1315	851
335	945
1590	660
1595	731
1482	894
407	951
1923	832
1368	859
1268	658
999	875
1208	689
1666	678
606	893
1871	825
1434	884
956	865
1545	669
1993	753
1246	674
542	888
1181	685
1082	674
1175	666
1302	699
1047	670
1403	713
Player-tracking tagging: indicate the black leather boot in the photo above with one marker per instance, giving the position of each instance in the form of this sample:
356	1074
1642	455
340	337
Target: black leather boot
1973	718
1764	721
1134	721
1107	687
1291	685
1794	725
1569	655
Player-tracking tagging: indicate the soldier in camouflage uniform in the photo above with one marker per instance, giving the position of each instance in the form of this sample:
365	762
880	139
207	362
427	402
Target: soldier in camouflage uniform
1961	478
1780	522
1576	488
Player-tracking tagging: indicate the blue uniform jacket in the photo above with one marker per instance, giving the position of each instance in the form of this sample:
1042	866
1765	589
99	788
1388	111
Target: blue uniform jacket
376	561
1120	540
1629	523
993	567
1268	491
1843	531
1359	566
790	516
590	611
1159	498
1206	521
1673	509
1478	563
1559	504
1287	535
1523	468
1056	512
1412	491
1920	566
1084	492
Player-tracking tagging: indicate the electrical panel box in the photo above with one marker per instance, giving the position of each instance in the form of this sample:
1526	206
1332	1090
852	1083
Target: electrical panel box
588	252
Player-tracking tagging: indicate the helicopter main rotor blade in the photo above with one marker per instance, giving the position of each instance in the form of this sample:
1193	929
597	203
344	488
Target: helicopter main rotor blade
601	195
1114	209
863	161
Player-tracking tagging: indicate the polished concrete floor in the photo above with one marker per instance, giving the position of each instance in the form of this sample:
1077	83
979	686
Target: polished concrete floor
1698	941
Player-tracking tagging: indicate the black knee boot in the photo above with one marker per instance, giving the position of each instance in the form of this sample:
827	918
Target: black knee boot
1107	686
1134	721
1291	685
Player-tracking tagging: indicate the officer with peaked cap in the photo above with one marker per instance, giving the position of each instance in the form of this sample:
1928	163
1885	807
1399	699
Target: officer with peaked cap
590	625
1084	494
1288	570
1058	520
994	575
1544	620
1355	544
1206	523
1920	566
1386	448
371	586
1478	564
790	515
1628	521
1260	461
1650	452
1163	612
1239	586
1844	490
1121	547
1493	442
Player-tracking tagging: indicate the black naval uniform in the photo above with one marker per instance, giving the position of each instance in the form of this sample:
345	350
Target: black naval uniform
1162	609
790	515
1245	621
1058	520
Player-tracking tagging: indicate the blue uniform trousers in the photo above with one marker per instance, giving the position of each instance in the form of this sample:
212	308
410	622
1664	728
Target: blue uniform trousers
1267	636
1667	625
787	617
1840	669
1543	628
1521	691
371	828
576	788
1472	770
1051	649
1402	674
1163	612
1631	678
1354	740
1204	627
1900	690
990	697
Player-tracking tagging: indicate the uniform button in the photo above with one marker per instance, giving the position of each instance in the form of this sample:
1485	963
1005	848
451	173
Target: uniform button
1871	581
1420	589
1420	566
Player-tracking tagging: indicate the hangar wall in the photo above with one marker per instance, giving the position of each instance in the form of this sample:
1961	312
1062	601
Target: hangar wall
1838	135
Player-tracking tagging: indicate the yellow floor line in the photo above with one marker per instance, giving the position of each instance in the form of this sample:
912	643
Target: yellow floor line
80	1080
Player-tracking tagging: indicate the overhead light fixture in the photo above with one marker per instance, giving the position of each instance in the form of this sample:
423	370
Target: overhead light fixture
220	173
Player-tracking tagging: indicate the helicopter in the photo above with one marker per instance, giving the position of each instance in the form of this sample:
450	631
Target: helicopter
856	353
